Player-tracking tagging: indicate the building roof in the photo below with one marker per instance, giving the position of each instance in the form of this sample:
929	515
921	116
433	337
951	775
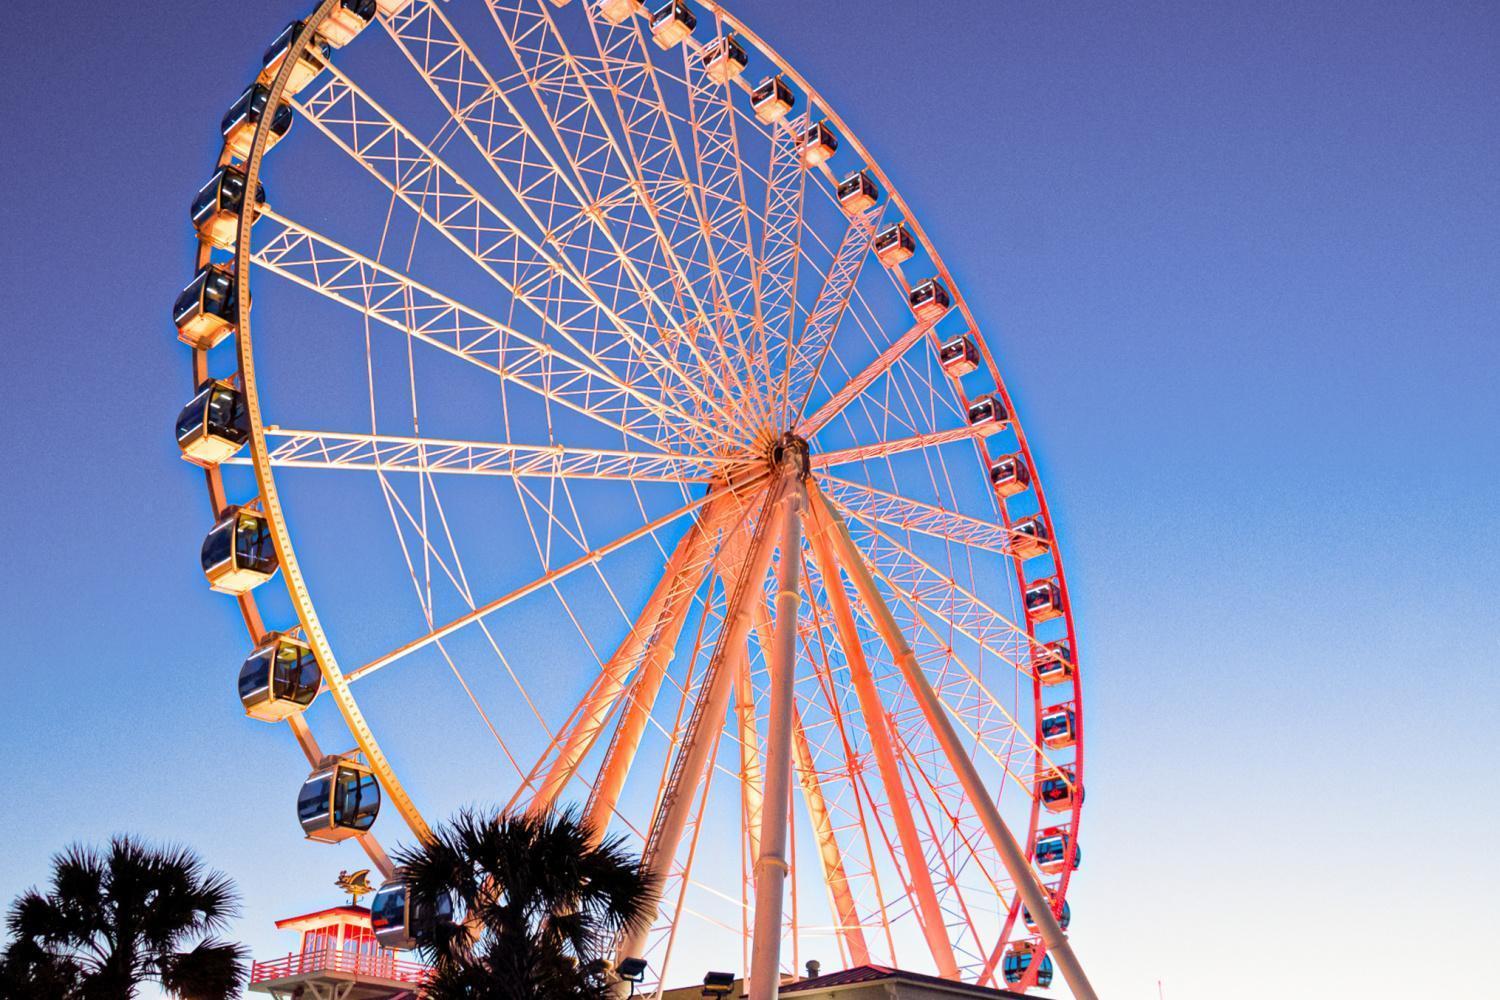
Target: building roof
345	914
877	973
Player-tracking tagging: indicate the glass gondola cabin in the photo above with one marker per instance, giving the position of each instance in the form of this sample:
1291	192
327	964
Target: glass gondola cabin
338	801
279	679
958	356
671	23
1009	475
1029	538
208	309
1043	600
1051	851
238	554
1059	727
895	244
858	192
618	11
929	301
402	923
238	124
724	60
1018	959
344	23
771	99
1054	662
1058	790
216	209
987	415
1063	919
818	144
313	61
213	425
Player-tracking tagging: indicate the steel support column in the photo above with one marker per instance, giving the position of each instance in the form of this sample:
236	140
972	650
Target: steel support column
963	766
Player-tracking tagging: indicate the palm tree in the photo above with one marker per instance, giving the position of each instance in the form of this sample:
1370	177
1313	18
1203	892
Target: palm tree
541	899
114	919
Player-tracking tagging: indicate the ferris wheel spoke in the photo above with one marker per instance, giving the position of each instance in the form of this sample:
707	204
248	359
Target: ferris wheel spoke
632	79
565	216
781	244
861	380
395	300
438	195
309	449
870	504
885	449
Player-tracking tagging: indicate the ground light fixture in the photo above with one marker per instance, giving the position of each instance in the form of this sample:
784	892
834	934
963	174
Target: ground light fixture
718	984
632	971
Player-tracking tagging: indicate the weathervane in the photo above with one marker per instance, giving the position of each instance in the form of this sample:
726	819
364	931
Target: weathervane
356	884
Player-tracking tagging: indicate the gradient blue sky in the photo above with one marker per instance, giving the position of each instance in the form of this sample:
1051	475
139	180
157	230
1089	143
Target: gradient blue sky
1243	264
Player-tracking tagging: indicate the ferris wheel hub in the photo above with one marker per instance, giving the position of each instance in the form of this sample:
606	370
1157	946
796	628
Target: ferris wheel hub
789	452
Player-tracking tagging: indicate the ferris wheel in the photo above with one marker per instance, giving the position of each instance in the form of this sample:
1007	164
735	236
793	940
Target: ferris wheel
621	441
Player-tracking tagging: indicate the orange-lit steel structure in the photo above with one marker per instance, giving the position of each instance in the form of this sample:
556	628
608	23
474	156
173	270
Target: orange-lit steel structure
699	306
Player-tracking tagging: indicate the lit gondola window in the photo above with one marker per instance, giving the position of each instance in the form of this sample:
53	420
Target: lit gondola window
671	23
1043	600
1029	537
724	59
344	23
929	301
216	209
403	923
858	192
988	415
238	554
279	679
1009	475
313	61
817	143
207	310
958	356
213	425
771	99
238	124
338	801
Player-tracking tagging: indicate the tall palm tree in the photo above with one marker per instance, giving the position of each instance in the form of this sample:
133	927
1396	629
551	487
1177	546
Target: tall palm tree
114	919
541	902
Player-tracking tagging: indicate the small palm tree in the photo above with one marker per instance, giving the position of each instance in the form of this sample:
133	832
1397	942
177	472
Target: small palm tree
114	919
542	901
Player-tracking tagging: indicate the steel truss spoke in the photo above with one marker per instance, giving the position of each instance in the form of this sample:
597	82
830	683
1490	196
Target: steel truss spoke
870	504
861	381
895	446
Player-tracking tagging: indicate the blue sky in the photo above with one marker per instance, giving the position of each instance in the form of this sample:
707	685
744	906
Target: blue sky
1243	264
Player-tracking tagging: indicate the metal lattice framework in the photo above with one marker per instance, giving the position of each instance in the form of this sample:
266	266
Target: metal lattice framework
696	509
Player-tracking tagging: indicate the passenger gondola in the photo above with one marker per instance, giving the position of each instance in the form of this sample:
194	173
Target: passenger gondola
1043	600
1059	727
672	23
238	124
1029	538
894	244
771	99
1009	476
279	679
208	309
959	356
390	8
1063	919
1053	663
724	59
404	923
1051	852
344	23
1058	790
238	554
817	143
618	11
213	425
988	415
314	59
929	301
216	209
1018	959
338	800
858	192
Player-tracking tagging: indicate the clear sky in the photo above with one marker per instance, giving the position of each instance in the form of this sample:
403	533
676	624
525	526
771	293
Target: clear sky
1242	262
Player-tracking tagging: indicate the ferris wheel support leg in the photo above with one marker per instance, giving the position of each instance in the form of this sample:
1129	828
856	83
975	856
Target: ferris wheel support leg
963	766
752	781
771	863
929	913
